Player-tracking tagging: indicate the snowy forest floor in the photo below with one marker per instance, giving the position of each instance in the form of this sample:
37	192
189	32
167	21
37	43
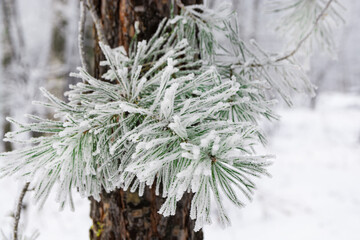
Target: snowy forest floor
313	193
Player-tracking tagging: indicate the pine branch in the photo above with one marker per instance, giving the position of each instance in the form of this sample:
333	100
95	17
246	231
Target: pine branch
301	42
174	120
297	47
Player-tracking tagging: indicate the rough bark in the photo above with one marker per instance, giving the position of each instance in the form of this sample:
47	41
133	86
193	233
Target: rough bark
120	214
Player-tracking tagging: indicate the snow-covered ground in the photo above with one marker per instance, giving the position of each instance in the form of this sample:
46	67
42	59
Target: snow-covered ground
313	194
314	191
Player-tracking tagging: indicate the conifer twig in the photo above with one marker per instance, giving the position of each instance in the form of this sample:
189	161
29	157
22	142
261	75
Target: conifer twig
18	210
300	43
307	35
81	35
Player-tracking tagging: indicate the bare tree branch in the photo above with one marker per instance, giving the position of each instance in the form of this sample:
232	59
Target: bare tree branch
180	4
255	19
18	210
97	22
81	35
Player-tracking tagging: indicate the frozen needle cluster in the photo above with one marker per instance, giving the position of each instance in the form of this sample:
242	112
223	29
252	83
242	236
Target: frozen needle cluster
178	112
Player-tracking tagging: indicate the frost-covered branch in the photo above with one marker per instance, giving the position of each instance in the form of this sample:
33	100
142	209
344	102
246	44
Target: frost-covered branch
98	25
81	35
305	38
307	21
18	210
301	42
177	112
180	4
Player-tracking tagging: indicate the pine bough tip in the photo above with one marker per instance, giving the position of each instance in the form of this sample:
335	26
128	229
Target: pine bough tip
166	119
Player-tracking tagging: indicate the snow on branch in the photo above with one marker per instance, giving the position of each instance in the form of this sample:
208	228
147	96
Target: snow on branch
81	35
179	111
97	22
307	21
18	210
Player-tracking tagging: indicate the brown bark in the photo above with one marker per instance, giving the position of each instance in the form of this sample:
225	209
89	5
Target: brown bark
121	214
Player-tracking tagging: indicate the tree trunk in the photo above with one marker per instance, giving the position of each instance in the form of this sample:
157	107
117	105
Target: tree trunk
6	61
121	214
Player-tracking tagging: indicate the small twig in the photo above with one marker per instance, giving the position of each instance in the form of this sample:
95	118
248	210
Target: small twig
299	44
97	22
307	35
82	34
18	210
180	4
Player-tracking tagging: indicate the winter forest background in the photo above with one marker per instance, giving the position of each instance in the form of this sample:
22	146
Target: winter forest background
313	192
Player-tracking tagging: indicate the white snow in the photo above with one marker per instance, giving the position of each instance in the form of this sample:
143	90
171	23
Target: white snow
178	127
167	105
313	193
